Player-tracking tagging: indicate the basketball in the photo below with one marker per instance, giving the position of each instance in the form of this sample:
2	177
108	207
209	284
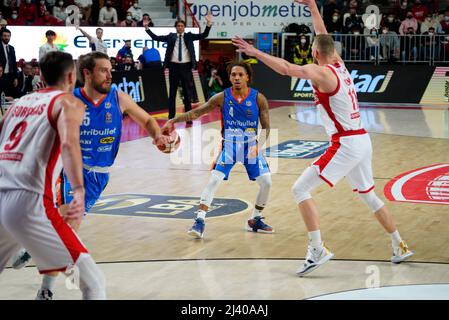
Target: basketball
171	147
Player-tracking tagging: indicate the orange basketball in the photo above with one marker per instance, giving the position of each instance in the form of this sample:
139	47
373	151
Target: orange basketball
171	147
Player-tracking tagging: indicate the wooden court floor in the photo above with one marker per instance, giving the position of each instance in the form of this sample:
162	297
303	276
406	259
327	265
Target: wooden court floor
348	228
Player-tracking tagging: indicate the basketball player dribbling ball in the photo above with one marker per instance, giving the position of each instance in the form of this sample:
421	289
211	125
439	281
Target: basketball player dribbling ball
37	131
350	152
241	108
99	138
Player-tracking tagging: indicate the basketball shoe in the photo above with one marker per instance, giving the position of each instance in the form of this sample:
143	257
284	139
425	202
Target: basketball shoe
44	294
197	229
315	257
21	259
401	253
257	225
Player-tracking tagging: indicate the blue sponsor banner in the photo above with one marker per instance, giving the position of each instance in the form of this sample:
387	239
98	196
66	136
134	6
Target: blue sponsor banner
298	149
161	206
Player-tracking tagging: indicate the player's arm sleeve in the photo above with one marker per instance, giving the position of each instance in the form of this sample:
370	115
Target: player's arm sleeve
215	102
143	119
68	113
264	116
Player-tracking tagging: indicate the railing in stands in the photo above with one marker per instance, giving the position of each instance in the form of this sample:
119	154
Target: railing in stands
185	11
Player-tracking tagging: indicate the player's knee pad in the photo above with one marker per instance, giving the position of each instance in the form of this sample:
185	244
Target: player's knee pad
372	200
215	179
91	279
264	182
308	181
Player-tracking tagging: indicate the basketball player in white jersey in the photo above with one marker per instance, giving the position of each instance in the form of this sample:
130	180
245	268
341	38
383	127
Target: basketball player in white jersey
350	152
39	131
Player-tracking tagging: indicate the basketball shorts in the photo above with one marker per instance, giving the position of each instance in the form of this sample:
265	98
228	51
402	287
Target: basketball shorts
30	220
94	185
233	152
348	156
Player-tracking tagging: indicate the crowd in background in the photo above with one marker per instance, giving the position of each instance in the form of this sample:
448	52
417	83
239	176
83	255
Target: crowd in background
408	30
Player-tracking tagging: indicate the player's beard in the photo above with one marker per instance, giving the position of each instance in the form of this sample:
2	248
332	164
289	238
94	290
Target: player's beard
101	87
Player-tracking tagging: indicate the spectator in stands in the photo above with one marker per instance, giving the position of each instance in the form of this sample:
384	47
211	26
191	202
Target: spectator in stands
41	8
353	21
48	20
409	45
373	44
50	4
409	22
150	58
444	24
49	46
302	53
136	11
25	80
59	11
390	45
123	52
355	45
108	15
9	5
428	47
15	19
429	22
420	11
85	7
129	22
28	12
146	21
3	24
328	10
392	23
402	10
335	26
127	65
1	15
214	83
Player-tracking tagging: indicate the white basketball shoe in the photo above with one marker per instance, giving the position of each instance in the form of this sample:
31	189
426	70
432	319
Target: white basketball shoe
401	253
315	257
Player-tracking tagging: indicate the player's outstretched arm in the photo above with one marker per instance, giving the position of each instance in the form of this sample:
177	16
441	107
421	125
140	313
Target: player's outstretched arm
264	116
317	20
281	66
215	102
144	120
88	36
68	113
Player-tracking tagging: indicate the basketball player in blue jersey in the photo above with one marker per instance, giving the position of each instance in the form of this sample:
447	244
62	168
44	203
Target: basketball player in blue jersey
241	108
100	135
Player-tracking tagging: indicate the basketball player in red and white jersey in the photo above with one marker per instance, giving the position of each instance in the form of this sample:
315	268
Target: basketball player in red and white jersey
350	152
39	131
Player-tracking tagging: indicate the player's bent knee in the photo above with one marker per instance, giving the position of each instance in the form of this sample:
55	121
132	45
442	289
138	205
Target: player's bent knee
92	280
372	201
300	193
215	179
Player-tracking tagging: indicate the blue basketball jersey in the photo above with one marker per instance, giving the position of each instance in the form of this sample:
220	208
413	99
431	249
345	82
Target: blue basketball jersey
101	130
240	119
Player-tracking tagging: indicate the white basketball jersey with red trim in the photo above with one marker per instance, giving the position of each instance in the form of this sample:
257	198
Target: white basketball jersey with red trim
339	110
29	144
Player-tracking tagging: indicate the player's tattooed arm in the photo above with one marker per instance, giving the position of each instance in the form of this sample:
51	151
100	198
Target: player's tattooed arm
142	118
214	102
264	116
